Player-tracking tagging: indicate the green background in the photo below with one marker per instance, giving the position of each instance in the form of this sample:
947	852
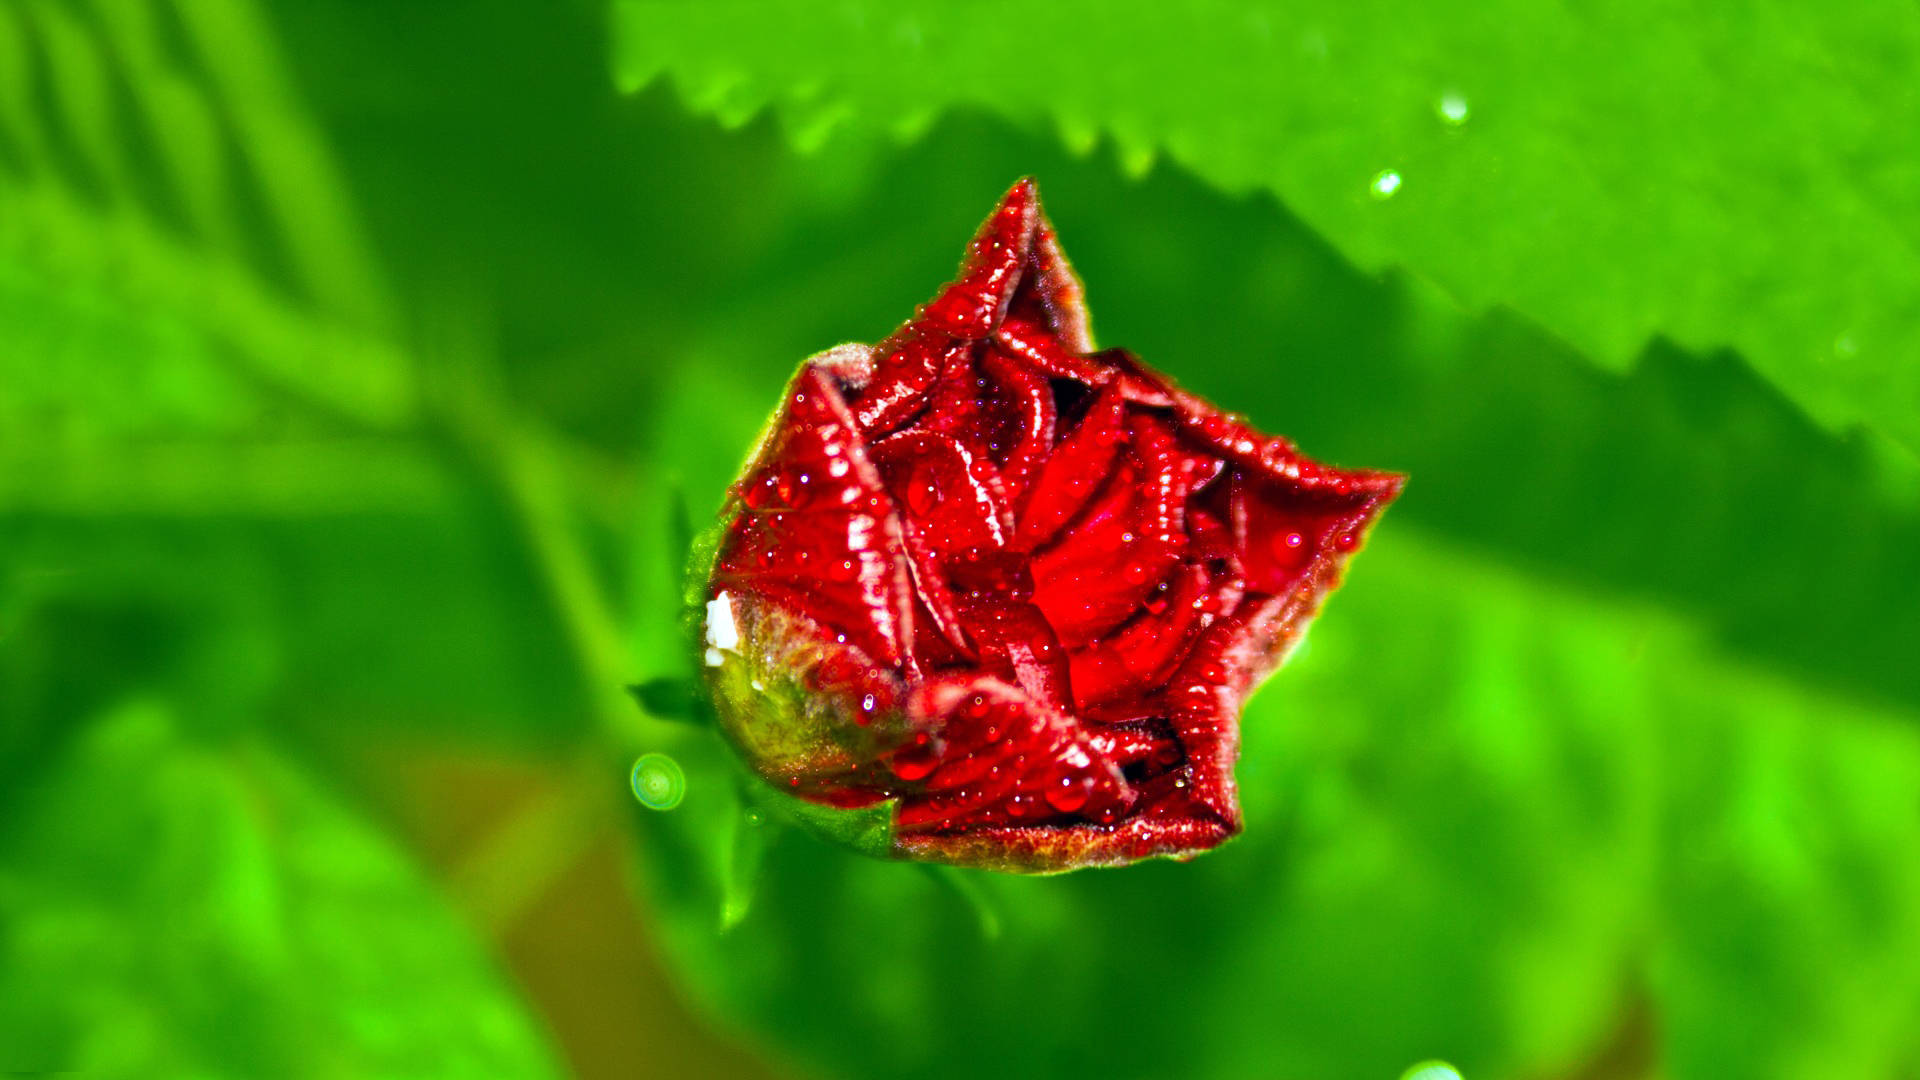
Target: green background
357	363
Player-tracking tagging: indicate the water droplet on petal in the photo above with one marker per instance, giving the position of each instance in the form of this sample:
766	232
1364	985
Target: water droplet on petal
760	493
1385	184
913	763
923	492
1290	549
658	782
1069	793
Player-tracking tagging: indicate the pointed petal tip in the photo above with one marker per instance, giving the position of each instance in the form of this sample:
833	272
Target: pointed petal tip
1022	198
1379	483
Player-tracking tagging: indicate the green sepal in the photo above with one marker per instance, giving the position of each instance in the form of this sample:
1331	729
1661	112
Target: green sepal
868	830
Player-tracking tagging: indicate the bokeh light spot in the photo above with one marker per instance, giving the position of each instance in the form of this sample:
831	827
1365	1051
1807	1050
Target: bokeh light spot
658	782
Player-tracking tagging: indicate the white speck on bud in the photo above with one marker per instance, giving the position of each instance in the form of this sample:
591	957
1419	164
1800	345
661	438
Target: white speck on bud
721	632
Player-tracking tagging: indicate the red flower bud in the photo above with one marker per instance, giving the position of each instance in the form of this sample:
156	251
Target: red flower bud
1007	591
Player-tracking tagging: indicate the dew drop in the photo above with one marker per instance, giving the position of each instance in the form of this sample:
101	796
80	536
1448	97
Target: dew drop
759	494
1346	541
1290	549
923	492
913	764
1431	1070
1069	794
1020	806
843	571
658	782
1385	184
977	707
838	467
1452	108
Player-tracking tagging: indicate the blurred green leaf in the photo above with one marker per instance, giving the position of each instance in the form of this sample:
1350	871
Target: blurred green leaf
154	156
173	907
1742	180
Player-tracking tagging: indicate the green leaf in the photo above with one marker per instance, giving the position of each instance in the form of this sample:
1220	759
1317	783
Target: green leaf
1727	180
172	908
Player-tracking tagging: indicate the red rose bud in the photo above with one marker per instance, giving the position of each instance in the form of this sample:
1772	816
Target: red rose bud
1006	592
